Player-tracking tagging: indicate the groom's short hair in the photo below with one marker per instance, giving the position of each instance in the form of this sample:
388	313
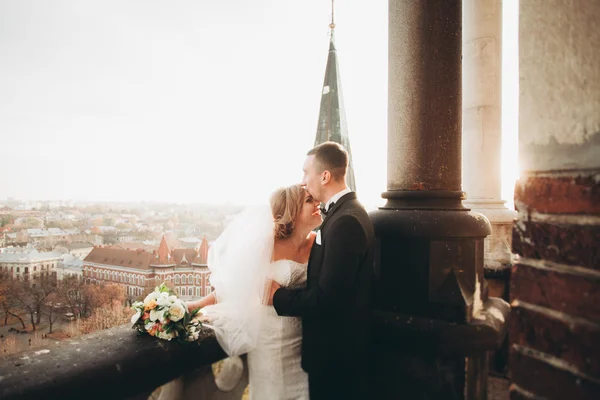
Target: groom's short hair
331	156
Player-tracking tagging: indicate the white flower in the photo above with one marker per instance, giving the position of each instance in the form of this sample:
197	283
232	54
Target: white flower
172	299
193	337
176	312
151	296
135	317
162	301
164	335
138	304
158	315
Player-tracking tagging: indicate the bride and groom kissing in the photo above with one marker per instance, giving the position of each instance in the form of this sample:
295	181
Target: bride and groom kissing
292	298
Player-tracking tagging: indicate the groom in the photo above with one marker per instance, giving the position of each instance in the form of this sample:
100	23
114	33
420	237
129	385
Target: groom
335	304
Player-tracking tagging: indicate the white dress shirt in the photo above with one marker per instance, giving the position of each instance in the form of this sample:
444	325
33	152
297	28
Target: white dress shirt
336	197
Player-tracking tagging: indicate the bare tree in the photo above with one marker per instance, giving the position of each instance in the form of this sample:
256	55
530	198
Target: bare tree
73	293
7	301
52	309
31	294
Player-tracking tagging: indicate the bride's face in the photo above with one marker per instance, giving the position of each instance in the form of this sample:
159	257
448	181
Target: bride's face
309	215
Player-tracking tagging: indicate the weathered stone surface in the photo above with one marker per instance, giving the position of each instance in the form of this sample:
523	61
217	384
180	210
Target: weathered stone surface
567	244
410	333
559	194
517	393
559	89
109	364
573	293
549	378
574	340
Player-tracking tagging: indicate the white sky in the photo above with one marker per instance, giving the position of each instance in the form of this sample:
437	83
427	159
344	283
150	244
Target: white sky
182	101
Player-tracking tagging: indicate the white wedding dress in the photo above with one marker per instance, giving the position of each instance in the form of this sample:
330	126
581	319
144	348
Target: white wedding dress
274	365
241	273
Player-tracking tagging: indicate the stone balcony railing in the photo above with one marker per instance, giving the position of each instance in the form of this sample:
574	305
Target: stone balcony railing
118	364
112	364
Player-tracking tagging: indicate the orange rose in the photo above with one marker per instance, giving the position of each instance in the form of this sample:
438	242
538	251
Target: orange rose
156	327
151	305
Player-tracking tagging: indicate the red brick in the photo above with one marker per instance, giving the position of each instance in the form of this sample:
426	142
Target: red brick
565	195
573	293
567	244
576	342
546	380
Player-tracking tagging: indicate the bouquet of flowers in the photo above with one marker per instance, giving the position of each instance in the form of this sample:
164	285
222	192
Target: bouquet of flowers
163	315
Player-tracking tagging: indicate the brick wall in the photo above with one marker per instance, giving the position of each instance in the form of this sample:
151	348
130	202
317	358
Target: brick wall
555	281
555	287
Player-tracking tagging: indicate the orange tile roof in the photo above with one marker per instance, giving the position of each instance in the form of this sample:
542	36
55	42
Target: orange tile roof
138	259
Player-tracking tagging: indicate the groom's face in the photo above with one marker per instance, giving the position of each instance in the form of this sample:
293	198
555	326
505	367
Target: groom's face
312	177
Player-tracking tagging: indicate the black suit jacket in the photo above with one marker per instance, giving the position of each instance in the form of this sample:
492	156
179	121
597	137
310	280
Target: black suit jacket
335	304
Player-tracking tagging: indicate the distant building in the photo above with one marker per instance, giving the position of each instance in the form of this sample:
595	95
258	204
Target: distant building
27	262
17	238
69	266
77	250
190	242
185	270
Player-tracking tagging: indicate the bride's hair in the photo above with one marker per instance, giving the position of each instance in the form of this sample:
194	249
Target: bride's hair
286	203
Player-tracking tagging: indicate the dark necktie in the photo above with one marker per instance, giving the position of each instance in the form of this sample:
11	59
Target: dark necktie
324	210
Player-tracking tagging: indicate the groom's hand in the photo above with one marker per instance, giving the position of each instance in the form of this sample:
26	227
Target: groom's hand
274	287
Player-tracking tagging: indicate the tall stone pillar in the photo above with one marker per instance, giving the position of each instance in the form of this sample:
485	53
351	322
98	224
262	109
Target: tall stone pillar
434	323
482	125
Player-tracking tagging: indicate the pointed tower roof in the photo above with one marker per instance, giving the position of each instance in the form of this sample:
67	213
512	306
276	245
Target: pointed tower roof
203	251
163	254
332	114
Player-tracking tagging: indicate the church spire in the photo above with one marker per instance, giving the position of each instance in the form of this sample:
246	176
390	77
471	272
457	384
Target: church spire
332	114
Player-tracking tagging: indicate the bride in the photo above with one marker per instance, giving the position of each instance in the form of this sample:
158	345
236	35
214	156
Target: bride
259	246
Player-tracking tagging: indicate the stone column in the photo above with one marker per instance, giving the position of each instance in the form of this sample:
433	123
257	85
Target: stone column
482	124
434	322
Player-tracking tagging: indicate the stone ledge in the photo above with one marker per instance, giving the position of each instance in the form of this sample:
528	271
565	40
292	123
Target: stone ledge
432	336
115	363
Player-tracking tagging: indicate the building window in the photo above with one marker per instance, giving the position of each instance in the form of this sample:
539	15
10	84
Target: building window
190	279
177	279
177	291
197	292
197	279
34	268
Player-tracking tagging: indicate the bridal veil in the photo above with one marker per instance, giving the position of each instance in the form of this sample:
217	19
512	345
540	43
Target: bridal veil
238	261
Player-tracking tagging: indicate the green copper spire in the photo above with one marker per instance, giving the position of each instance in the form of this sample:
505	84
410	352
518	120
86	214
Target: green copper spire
332	115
